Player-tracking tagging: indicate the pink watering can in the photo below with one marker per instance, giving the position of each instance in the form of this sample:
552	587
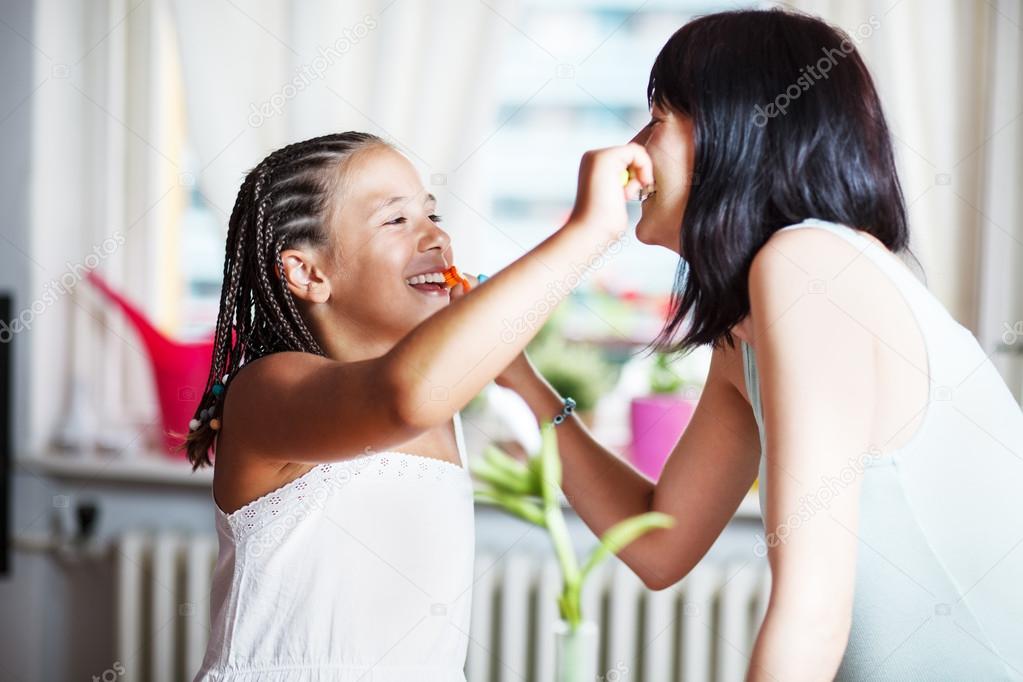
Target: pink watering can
179	369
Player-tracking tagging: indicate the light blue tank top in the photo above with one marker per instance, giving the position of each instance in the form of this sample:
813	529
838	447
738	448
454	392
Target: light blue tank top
939	572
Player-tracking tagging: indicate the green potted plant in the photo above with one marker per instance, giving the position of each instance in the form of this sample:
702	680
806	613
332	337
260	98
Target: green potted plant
578	370
531	491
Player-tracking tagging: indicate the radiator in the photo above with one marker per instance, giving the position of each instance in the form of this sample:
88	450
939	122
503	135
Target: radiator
700	630
162	612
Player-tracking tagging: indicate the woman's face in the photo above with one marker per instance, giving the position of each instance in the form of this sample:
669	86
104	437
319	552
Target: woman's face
384	233
668	139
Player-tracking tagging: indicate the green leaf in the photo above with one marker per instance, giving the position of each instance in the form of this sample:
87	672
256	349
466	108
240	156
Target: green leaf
550	463
663	378
568	607
618	536
562	541
535	466
501	478
516	471
519	506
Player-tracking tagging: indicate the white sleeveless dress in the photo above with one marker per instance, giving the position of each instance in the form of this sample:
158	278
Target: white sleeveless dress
939	572
360	569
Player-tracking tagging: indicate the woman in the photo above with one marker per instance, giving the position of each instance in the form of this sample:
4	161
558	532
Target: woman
889	451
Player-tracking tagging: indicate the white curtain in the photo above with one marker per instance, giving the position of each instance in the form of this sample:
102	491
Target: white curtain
97	194
126	87
1000	301
414	73
950	80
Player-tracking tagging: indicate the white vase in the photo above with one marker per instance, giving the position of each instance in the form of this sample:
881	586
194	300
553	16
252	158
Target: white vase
77	431
575	653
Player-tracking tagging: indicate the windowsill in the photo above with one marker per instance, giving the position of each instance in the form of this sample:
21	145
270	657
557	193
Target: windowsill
154	468
147	467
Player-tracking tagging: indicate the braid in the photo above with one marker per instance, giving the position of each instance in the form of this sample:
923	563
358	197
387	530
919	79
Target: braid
303	328
282	203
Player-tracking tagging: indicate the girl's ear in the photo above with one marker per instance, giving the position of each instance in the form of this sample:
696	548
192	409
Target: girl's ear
305	281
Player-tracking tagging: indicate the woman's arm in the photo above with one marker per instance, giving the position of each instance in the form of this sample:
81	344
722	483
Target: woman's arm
703	482
815	358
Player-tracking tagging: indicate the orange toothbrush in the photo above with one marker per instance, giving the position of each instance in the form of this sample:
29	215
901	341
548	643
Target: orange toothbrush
452	278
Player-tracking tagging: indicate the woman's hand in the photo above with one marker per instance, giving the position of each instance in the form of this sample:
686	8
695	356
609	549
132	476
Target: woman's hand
600	197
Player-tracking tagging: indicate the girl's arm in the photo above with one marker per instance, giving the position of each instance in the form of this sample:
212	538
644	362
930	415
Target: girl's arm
303	408
704	480
815	357
445	362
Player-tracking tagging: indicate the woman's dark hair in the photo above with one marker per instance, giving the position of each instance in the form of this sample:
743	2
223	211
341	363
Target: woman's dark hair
283	203
787	125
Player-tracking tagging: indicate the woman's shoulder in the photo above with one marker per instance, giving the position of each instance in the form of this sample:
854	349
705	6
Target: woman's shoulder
808	246
816	286
798	262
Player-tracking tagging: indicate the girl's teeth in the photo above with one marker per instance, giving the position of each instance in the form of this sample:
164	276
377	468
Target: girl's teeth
434	277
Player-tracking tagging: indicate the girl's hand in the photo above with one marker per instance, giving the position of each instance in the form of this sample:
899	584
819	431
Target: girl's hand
457	292
600	197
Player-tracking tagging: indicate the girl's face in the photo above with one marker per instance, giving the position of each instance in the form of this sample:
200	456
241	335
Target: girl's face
668	139
384	232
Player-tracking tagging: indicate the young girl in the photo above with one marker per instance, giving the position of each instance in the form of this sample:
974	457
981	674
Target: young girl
343	503
889	450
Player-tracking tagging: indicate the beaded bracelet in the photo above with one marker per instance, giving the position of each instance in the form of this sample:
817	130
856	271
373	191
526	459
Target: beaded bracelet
566	410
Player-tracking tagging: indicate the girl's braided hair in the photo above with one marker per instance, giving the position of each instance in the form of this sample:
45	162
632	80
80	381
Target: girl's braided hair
282	203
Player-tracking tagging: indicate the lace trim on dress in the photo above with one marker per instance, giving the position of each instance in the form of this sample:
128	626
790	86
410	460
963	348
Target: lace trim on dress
308	491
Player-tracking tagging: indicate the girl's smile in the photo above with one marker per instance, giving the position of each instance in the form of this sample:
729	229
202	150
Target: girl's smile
430	283
382	270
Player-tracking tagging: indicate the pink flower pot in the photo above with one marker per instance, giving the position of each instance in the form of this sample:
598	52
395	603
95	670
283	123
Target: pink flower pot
657	423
